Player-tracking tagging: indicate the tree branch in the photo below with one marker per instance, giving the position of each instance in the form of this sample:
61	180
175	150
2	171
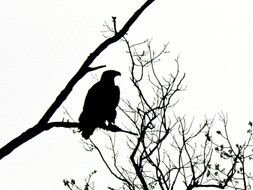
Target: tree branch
40	126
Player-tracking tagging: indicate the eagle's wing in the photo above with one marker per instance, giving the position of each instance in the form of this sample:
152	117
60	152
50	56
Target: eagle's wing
93	105
92	114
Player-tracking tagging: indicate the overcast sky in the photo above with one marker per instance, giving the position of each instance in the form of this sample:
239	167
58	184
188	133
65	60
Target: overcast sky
43	43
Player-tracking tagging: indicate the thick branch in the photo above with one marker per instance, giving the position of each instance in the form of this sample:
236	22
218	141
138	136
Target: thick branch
29	134
36	130
32	132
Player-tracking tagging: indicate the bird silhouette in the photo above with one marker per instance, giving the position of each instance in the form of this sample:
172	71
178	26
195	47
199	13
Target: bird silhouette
100	104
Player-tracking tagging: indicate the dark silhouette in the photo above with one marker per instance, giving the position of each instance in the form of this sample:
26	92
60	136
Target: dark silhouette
100	104
43	123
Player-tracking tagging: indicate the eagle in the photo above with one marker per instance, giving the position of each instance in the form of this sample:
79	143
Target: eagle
100	104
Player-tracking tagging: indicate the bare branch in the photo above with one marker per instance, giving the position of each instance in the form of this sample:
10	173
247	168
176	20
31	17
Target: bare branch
38	128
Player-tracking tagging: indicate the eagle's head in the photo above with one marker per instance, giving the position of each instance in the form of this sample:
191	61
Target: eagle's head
109	75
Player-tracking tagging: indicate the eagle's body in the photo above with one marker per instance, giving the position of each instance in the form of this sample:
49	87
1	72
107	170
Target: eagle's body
100	104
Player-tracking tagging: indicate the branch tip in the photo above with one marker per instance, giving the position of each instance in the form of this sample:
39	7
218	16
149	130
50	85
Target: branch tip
95	68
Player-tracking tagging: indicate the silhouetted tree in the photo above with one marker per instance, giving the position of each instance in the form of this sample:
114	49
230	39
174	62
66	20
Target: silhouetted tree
170	153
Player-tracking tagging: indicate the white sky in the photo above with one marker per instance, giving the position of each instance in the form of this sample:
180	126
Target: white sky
43	43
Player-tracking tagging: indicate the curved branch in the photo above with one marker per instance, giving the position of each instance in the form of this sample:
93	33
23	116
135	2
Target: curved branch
36	130
40	126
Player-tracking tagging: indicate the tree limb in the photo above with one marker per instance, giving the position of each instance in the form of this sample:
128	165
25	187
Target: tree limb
40	126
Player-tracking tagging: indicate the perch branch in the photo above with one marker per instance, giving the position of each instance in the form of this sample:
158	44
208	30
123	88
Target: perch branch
39	127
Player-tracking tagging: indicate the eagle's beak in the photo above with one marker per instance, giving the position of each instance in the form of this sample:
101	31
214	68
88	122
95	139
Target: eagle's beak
118	73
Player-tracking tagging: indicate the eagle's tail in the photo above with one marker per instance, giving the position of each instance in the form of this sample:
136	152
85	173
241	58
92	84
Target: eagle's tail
87	132
86	127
